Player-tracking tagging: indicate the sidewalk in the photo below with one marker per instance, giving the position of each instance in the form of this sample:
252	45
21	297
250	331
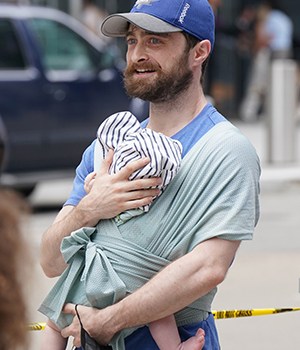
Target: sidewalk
257	133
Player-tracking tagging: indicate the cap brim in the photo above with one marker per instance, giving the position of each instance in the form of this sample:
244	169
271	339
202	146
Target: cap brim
117	25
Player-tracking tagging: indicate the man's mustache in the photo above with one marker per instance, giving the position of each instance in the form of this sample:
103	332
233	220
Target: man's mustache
136	67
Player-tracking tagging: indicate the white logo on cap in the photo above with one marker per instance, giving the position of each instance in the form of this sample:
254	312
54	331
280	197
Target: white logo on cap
184	13
140	3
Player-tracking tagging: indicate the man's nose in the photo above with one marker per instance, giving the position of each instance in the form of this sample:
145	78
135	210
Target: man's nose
139	53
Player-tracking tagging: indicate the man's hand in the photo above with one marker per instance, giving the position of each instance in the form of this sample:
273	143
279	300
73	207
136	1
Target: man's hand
91	319
111	195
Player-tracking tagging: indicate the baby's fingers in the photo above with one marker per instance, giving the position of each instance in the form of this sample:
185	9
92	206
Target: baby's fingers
88	182
106	163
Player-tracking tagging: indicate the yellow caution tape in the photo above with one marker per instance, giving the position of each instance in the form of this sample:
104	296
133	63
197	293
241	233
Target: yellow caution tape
221	314
38	326
251	312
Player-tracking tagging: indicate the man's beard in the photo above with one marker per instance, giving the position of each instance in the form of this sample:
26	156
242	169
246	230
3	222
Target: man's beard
165	86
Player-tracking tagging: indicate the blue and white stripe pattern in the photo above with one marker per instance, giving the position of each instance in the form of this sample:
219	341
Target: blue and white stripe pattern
122	133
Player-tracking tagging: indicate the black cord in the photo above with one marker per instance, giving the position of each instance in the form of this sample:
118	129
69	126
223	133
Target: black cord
87	342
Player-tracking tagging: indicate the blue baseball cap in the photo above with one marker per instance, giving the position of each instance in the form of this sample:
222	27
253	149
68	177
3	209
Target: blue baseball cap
195	17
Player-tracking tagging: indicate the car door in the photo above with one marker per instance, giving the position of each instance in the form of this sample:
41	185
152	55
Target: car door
81	87
20	100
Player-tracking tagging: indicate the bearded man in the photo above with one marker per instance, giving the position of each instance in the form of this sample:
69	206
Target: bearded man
196	226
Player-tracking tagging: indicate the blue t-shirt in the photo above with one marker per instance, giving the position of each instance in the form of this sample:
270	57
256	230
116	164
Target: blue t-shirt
188	137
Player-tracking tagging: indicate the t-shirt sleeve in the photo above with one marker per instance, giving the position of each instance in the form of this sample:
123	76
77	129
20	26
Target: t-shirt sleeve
85	167
230	190
221	197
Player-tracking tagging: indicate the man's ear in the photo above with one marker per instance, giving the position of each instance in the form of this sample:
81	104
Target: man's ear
201	51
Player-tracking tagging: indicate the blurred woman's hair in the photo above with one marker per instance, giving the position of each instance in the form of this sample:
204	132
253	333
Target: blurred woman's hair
13	253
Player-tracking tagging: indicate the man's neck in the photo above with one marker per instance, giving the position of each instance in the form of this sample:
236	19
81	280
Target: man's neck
170	117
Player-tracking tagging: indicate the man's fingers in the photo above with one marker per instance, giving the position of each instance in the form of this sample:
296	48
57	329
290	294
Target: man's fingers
66	332
147	194
74	328
69	309
137	203
141	184
131	167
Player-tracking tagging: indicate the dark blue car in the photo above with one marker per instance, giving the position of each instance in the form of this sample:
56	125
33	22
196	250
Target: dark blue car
58	82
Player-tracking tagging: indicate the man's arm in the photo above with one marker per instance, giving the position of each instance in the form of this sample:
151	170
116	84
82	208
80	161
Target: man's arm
178	285
109	196
67	221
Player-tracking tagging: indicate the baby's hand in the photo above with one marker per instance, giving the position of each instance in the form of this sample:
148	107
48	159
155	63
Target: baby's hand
89	181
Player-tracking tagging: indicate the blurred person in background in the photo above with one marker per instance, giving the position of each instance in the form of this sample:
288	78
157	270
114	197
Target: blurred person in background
219	75
13	253
92	17
273	40
211	71
245	25
215	4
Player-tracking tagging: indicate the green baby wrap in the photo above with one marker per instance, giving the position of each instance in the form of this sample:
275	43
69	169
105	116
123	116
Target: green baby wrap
213	195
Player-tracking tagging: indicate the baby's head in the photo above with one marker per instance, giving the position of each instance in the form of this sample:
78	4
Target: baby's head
115	128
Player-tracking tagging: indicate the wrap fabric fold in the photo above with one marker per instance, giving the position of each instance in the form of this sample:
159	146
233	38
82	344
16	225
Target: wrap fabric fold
93	273
109	261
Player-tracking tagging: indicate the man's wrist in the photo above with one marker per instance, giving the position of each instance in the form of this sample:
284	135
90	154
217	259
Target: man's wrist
109	320
116	318
84	214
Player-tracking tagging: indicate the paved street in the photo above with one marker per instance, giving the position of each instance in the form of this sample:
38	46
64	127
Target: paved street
265	273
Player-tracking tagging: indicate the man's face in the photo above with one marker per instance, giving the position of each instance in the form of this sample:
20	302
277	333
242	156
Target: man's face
157	65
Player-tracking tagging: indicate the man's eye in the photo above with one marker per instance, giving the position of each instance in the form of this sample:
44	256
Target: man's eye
155	41
131	41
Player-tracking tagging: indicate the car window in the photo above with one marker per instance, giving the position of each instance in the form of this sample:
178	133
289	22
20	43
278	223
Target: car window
10	53
62	48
